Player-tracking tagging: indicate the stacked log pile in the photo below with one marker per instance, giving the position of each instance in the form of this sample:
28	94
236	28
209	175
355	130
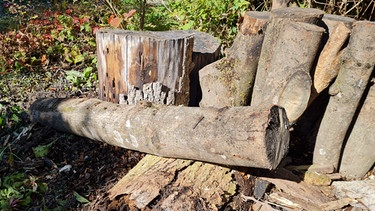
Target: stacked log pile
290	65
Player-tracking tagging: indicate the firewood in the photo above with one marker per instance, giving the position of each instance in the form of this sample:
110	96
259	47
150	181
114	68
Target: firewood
359	152
229	81
239	136
206	50
281	78
279	17
356	67
335	40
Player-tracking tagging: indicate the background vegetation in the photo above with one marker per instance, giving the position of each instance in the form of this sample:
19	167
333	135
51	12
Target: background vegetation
49	47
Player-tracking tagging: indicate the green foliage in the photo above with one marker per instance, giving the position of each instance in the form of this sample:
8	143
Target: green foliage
80	198
18	190
82	79
10	116
42	150
218	17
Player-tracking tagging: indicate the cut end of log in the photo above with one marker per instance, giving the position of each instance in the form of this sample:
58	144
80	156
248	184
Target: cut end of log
277	136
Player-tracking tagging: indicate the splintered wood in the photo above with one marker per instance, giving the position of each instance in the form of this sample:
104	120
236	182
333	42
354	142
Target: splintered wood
130	59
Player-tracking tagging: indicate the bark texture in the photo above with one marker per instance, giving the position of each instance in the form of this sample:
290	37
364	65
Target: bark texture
206	50
191	185
239	136
335	39
229	82
359	152
357	65
282	79
129	58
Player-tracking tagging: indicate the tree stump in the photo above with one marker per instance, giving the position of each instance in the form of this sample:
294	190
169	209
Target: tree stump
129	59
357	65
229	81
282	79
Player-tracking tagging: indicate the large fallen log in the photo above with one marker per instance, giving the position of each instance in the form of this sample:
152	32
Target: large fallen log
357	65
239	136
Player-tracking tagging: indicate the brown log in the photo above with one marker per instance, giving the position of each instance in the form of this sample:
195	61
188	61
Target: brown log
239	136
129	58
357	64
288	34
359	152
229	82
338	30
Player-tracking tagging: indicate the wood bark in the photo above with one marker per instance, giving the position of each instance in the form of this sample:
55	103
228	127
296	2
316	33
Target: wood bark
206	50
357	65
239	136
359	152
281	78
337	34
192	185
128	58
229	82
140	191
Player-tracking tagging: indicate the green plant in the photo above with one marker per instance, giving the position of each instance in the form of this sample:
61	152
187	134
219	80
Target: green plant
82	79
17	191
218	17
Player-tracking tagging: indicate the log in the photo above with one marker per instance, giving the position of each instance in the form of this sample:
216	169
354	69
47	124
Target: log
206	50
359	151
337	33
238	136
281	78
229	82
131	59
357	65
191	185
140	191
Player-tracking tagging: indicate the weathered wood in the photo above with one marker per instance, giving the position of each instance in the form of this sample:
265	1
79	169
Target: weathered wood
334	40
288	34
229	82
288	81
191	185
239	136
206	50
129	58
299	194
359	151
357	65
